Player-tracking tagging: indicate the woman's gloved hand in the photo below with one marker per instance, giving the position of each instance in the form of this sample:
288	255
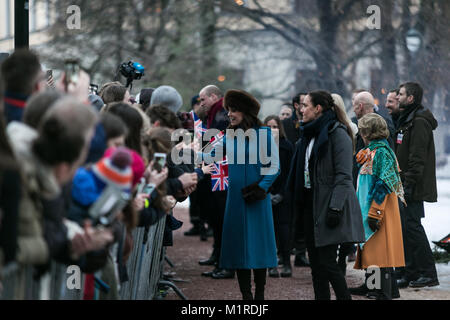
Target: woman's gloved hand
333	218
253	193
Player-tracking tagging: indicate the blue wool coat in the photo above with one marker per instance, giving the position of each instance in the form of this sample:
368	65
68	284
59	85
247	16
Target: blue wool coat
248	237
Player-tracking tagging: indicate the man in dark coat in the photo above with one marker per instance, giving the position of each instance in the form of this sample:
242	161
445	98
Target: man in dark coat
417	160
211	101
292	125
293	133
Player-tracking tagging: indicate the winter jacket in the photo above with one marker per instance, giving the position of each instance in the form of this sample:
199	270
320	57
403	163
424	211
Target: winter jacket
416	156
39	182
333	188
292	128
282	211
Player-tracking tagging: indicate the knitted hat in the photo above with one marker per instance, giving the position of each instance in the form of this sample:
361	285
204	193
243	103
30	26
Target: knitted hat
167	96
88	183
115	168
240	100
137	164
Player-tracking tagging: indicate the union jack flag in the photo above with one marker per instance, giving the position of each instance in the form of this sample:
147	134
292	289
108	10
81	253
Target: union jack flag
219	177
216	138
199	127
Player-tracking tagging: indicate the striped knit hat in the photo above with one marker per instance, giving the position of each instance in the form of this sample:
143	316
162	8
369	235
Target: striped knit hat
115	169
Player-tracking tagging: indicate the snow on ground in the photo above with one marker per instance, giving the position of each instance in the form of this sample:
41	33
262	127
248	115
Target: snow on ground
437	215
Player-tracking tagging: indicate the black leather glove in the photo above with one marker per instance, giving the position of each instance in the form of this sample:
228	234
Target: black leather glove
253	193
333	218
374	224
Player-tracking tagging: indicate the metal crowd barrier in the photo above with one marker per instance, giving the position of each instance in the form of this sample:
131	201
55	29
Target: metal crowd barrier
144	264
145	269
17	283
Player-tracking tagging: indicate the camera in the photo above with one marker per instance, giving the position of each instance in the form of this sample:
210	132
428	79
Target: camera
131	71
111	201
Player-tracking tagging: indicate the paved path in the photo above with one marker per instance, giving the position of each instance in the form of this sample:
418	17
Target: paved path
187	251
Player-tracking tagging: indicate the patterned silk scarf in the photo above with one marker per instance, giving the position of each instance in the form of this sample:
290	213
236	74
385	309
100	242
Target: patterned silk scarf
384	168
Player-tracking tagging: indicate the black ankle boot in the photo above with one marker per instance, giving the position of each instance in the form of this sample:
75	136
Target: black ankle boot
259	293
260	282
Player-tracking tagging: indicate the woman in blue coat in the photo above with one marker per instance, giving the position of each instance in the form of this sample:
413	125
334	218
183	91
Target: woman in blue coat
248	238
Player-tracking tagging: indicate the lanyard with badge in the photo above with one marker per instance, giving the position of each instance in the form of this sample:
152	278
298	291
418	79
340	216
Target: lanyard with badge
400	137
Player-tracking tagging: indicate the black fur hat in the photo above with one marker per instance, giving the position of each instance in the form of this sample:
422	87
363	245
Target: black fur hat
242	101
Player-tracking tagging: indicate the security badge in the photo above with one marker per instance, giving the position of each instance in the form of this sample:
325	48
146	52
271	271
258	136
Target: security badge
400	137
307	180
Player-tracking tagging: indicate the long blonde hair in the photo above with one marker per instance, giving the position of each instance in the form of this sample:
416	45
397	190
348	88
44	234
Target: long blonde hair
339	102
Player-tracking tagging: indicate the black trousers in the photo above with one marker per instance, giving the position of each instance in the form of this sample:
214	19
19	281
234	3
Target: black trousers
282	230
216	214
419	260
324	267
195	208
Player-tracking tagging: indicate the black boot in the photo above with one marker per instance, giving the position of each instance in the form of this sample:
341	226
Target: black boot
195	230
245	283
203	233
286	272
300	260
260	282
273	272
213	259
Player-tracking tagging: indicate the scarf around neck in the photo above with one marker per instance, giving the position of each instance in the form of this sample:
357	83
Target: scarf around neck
386	167
406	112
318	128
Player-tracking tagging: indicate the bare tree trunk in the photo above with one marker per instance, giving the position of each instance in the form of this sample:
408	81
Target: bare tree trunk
389	74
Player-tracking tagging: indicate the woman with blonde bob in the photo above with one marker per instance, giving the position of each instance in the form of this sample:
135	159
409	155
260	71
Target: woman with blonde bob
378	191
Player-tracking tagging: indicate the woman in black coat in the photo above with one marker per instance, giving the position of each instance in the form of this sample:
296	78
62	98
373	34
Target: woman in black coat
325	200
280	203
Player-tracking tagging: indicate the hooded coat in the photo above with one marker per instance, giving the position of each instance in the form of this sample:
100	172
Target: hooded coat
415	151
333	189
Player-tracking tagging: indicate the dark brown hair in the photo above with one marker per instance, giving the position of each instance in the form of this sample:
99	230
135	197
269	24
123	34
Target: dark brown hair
279	123
158	140
134	123
325	99
113	93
